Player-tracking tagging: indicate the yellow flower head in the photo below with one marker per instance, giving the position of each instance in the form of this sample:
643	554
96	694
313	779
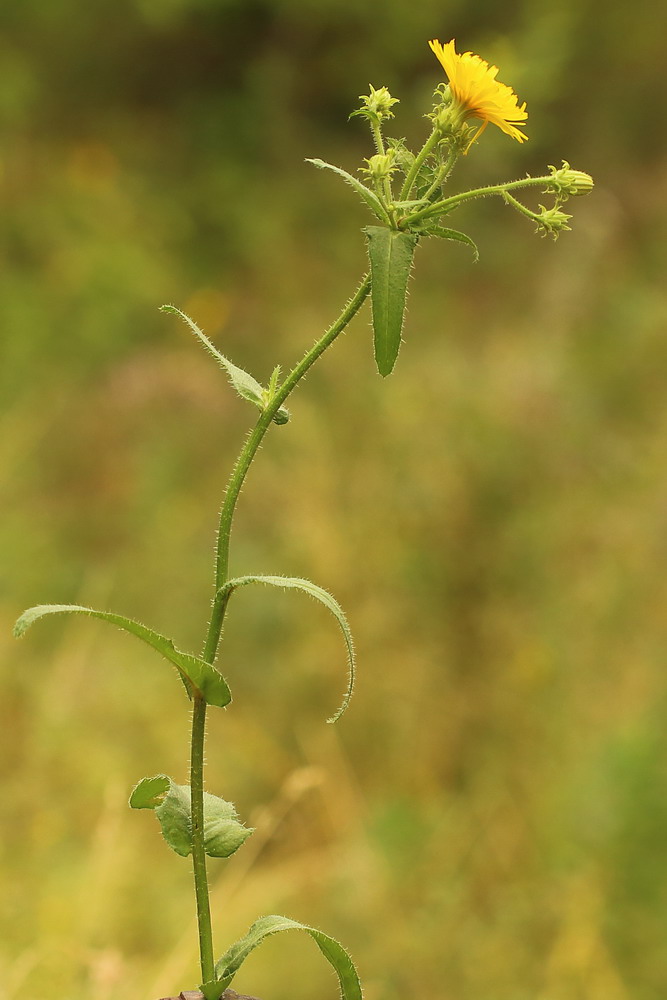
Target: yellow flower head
476	91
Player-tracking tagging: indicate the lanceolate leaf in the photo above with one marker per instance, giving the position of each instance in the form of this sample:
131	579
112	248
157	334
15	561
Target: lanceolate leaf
366	194
452	234
246	386
325	598
223	834
198	676
335	954
391	254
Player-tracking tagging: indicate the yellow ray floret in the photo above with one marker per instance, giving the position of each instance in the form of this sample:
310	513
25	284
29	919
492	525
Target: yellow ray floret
475	89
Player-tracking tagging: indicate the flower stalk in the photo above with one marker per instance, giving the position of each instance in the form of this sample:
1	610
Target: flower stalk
420	159
447	204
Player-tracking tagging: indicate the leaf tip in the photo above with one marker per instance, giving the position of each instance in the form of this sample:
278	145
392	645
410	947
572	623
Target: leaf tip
20	625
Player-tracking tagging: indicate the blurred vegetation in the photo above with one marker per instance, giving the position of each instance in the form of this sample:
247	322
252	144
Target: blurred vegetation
489	820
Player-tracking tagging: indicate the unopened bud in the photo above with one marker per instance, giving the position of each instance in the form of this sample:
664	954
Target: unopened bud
552	220
377	105
380	166
565	181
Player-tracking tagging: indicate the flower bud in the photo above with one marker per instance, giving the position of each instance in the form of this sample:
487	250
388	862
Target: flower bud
552	220
377	105
380	166
566	182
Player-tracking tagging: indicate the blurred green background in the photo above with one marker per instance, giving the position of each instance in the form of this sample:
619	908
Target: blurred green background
489	821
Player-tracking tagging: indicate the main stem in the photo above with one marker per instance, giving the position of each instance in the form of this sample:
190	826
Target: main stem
234	485
198	849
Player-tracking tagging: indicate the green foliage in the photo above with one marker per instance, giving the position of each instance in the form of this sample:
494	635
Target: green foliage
391	254
223	834
198	676
334	953
452	234
246	386
366	195
325	598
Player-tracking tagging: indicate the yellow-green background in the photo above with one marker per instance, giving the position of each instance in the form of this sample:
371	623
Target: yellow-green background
489	821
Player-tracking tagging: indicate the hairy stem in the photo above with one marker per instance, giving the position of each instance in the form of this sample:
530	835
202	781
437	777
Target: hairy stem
443	173
234	485
440	207
377	137
249	451
198	851
427	148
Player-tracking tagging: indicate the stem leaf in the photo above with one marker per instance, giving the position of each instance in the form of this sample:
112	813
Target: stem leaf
451	234
335	954
223	834
325	598
365	193
198	676
391	254
244	383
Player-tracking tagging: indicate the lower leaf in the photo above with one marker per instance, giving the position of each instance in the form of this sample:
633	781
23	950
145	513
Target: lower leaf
335	954
223	834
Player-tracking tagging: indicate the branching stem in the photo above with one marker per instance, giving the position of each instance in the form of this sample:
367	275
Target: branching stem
234	485
441	207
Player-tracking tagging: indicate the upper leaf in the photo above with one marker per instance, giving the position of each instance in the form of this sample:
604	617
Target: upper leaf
325	598
223	834
335	954
198	676
451	234
366	194
391	253
246	386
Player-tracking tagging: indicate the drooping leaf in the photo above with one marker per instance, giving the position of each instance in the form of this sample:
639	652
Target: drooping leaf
246	386
335	954
365	193
391	254
198	676
325	598
452	234
223	834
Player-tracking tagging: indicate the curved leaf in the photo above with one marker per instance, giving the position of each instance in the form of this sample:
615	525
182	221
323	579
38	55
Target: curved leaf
149	793
366	194
391	253
223	834
325	598
198	676
452	234
246	386
335	954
